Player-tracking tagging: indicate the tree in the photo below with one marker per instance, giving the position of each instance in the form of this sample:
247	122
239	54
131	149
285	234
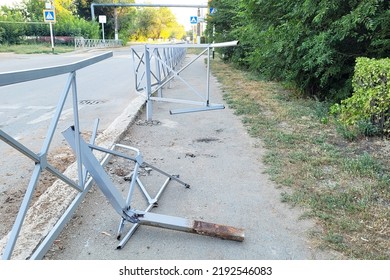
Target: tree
311	44
11	29
156	24
124	14
68	23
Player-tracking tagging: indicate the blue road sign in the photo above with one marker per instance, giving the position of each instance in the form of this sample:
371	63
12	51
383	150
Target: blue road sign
49	15
194	20
212	10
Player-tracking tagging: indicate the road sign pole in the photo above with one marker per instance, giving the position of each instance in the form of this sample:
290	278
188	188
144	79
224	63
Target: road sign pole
103	20
103	31
51	37
50	17
198	28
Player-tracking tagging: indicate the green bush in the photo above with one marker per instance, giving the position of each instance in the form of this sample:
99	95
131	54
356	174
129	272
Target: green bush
312	45
370	102
75	27
11	28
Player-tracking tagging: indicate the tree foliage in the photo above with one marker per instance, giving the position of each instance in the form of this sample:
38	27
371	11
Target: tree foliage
152	23
125	15
11	29
312	44
73	18
27	20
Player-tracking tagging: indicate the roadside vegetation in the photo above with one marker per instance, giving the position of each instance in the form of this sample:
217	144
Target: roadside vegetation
342	184
35	49
310	78
24	22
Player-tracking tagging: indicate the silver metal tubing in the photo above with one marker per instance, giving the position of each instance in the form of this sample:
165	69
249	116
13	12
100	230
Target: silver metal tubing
96	43
97	172
194	110
142	5
57	114
172	177
77	128
18	146
62	177
45	245
9	78
224	44
22	213
152	202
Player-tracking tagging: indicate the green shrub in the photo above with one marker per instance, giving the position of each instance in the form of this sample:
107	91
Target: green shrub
74	26
11	28
370	102
311	45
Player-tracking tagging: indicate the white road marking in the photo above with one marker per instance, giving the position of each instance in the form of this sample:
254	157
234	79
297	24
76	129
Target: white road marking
35	108
49	115
10	107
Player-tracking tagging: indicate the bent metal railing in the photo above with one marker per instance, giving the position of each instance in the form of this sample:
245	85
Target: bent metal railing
40	159
90	169
156	65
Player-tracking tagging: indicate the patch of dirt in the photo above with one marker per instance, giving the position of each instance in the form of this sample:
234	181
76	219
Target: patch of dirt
206	140
11	199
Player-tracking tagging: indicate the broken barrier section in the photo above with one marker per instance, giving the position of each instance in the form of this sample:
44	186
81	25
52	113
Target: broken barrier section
89	169
142	217
40	160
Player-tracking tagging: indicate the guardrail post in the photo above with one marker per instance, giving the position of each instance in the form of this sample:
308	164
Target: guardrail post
158	70
149	107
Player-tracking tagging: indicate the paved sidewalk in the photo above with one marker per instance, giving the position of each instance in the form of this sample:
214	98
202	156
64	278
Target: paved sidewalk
214	154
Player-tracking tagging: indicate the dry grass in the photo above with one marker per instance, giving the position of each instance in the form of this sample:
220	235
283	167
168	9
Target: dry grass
343	185
35	48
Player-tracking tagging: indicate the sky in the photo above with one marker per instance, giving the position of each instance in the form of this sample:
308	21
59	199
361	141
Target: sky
182	14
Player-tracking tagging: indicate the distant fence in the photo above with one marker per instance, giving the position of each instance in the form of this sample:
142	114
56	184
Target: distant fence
96	43
155	65
63	40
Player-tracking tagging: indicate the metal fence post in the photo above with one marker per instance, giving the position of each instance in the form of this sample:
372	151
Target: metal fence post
149	107
158	71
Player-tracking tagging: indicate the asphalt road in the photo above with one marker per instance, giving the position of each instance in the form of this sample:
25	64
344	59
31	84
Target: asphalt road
104	90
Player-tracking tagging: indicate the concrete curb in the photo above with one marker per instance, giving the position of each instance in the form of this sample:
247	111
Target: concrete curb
44	214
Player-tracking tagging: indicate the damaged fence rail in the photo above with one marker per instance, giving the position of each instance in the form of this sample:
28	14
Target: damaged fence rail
90	169
40	159
135	216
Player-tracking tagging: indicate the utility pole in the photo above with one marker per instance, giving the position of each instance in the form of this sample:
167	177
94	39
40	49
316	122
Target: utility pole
198	28
116	23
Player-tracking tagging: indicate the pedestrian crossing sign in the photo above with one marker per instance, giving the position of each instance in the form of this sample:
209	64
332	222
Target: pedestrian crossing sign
49	15
194	20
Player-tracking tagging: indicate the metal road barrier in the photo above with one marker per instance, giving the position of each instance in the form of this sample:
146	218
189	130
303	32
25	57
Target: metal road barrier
81	43
40	159
90	169
157	65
